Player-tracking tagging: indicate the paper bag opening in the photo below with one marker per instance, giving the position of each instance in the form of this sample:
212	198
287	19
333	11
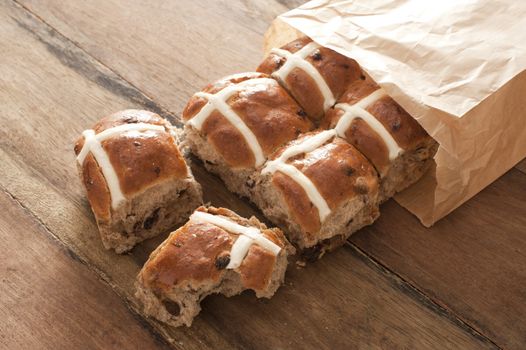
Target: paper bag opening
457	68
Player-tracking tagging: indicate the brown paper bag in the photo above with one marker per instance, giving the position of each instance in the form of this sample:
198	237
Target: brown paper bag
458	67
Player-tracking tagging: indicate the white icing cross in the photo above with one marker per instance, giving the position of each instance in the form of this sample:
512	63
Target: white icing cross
247	237
92	143
297	60
358	110
305	146
218	102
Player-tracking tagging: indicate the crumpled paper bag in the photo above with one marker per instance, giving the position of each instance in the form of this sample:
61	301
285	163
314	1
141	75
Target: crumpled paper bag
458	67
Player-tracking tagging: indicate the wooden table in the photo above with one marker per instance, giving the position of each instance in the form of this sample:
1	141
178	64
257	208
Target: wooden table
64	64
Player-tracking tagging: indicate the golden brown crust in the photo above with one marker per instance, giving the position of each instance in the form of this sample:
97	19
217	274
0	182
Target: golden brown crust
274	234
199	252
228	141
358	90
140	159
301	210
195	103
271	114
189	254
363	137
96	188
256	269
129	116
337	70
405	130
304	89
297	44
145	159
339	172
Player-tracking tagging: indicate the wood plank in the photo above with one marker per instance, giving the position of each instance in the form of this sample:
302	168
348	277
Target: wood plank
50	92
473	261
521	166
50	300
341	302
170	49
57	90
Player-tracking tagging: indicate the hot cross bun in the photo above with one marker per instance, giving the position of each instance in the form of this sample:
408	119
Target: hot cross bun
314	75
394	142
216	251
137	182
236	122
321	189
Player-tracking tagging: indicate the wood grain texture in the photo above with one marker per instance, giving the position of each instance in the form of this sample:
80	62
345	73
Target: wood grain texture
521	166
51	90
473	261
166	49
49	300
341	302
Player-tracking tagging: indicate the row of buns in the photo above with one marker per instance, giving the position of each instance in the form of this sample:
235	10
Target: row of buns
309	138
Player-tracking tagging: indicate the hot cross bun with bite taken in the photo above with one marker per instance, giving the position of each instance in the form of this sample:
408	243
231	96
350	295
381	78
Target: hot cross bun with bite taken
314	75
399	148
321	189
216	251
236	122
137	182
